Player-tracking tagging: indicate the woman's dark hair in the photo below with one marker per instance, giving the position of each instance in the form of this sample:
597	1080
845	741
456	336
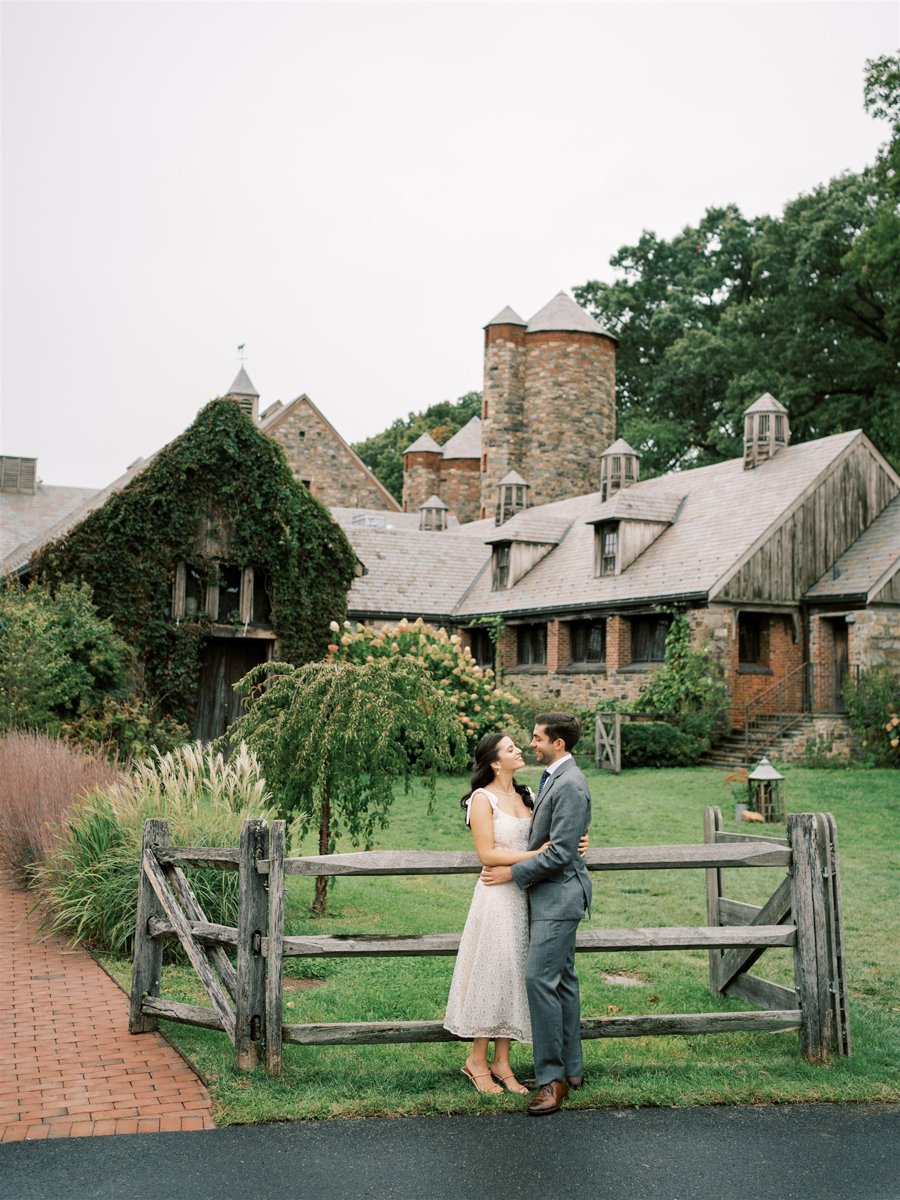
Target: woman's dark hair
482	775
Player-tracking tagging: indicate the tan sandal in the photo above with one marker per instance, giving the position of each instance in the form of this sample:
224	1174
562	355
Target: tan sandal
473	1079
511	1084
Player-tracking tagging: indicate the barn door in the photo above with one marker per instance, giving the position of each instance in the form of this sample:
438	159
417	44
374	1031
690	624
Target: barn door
223	661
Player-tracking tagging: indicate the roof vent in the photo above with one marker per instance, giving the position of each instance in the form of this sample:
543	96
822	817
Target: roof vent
18	474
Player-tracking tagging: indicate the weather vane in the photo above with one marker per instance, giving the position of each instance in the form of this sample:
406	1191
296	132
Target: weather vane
241	355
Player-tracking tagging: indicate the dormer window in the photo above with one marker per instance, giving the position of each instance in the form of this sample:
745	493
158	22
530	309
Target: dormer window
607	548
500	578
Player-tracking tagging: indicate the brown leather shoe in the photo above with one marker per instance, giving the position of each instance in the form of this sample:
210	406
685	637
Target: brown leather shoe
548	1099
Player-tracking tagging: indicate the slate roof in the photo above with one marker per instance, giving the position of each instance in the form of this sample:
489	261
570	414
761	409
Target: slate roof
725	512
868	565
20	555
242	386
466	442
24	516
633	505
619	446
563	314
532	525
506	316
424	444
411	573
766	403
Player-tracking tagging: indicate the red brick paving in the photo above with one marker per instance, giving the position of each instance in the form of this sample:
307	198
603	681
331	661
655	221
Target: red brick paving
69	1067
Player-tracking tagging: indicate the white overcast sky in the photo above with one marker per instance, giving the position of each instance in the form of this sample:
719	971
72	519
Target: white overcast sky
353	190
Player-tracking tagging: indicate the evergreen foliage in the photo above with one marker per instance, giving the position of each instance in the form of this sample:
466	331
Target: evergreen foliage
221	470
383	452
334	737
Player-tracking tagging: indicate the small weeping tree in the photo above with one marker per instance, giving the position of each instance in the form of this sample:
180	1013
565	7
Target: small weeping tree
334	737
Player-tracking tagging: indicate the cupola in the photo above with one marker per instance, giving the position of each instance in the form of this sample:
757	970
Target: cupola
766	431
512	497
243	391
619	468
433	514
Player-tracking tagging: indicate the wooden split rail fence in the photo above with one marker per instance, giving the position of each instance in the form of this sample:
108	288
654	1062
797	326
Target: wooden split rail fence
241	967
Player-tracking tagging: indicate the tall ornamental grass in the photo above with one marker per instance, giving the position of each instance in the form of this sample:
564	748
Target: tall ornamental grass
89	882
41	777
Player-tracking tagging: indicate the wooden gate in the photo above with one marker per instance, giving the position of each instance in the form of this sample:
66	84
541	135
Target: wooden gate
245	996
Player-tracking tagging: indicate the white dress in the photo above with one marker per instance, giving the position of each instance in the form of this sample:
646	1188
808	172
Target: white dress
487	995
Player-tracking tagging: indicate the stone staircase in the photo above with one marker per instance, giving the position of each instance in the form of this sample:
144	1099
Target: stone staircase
732	753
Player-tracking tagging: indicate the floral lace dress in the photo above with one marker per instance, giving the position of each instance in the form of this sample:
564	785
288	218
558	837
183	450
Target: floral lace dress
487	995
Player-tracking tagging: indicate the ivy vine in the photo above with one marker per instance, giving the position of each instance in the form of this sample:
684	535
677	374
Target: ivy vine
223	470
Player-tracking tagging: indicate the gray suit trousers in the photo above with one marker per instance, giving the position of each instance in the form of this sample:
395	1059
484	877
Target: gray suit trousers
554	1000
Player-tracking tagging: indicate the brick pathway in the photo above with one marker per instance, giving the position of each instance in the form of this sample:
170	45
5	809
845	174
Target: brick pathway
68	1065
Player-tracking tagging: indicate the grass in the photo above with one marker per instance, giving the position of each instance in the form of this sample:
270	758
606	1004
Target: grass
637	807
40	779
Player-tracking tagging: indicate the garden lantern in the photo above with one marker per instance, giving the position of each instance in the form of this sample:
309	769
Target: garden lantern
766	786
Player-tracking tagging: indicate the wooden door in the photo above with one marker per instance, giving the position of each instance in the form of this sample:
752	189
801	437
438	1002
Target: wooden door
223	661
839	664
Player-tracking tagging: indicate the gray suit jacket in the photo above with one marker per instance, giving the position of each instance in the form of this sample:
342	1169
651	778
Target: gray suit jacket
557	881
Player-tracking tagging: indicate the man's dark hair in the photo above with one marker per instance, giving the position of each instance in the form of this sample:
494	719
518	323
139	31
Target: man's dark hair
561	725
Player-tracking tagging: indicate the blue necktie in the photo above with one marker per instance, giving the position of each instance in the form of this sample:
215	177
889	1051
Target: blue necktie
544	778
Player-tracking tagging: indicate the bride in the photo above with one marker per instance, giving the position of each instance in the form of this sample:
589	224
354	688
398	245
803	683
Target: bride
487	1000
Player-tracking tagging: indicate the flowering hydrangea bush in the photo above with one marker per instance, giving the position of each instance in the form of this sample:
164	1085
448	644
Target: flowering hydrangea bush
482	706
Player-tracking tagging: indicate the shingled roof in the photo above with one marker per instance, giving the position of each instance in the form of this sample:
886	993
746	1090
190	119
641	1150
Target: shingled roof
563	314
466	442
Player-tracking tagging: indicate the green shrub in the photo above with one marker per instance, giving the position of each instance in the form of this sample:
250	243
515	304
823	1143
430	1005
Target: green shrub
90	880
65	671
873	702
481	705
657	744
688	690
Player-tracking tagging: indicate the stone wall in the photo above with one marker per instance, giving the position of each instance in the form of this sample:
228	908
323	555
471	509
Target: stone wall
319	457
460	487
570	410
421	479
502	409
875	638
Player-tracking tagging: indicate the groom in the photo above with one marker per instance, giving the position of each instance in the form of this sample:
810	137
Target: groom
559	893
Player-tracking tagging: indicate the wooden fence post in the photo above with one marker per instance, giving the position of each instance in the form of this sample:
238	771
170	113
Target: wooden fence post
808	886
275	956
250	1001
712	823
148	951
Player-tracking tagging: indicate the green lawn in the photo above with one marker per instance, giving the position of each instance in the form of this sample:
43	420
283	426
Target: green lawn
637	807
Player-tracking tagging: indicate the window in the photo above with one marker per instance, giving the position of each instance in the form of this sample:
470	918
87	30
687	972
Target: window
241	594
501	567
750	639
779	427
762	428
607	549
648	639
588	641
482	647
531	645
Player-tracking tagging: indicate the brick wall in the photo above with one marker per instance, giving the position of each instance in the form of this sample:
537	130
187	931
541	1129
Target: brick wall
781	653
618	643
